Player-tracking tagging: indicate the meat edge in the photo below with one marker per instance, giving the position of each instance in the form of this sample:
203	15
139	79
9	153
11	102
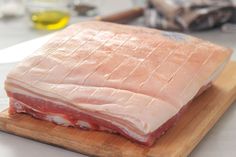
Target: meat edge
93	123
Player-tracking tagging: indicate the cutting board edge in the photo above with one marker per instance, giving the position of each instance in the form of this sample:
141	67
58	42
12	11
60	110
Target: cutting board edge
7	128
206	131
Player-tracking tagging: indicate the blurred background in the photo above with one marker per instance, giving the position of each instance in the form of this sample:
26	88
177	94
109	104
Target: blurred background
22	20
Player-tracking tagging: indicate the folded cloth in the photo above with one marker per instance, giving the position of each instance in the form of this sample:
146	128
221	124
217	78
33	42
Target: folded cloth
188	15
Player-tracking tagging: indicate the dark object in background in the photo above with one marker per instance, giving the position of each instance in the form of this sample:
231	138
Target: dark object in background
233	18
85	9
184	15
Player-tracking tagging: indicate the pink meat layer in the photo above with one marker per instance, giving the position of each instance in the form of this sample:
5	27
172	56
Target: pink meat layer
93	123
42	109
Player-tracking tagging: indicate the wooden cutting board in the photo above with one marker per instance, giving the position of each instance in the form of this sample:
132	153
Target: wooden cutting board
179	141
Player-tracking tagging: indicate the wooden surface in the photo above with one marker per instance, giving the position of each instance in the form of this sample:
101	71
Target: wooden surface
179	141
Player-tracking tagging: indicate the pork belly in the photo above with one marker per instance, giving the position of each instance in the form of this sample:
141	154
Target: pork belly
122	79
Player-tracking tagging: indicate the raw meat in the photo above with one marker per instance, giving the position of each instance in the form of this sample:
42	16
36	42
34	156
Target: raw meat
129	80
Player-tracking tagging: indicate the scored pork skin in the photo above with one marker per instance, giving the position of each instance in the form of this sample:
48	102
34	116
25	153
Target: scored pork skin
124	79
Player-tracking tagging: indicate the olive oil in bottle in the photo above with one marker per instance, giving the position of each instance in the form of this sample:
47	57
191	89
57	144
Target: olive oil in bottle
50	19
49	14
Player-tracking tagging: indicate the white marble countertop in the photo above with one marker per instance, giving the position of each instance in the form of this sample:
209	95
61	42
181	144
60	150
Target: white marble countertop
220	141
